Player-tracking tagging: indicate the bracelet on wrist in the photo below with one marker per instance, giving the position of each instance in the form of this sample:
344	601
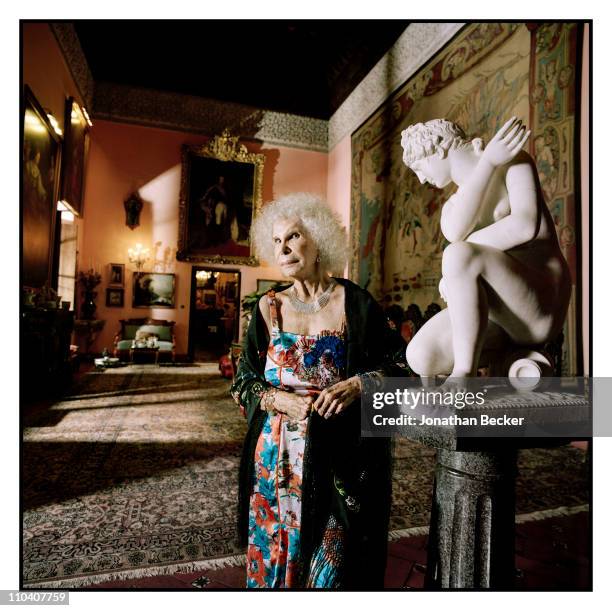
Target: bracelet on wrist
267	400
371	380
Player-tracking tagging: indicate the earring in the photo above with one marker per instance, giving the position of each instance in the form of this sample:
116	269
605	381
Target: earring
318	258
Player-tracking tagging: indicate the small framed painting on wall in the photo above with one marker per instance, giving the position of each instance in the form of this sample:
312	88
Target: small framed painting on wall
114	298
116	274
152	290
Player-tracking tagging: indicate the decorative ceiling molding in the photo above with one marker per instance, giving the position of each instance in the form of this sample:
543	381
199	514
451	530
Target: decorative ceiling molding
72	51
293	130
186	113
210	117
413	48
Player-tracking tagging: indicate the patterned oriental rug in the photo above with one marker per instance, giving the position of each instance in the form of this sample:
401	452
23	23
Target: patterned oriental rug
135	474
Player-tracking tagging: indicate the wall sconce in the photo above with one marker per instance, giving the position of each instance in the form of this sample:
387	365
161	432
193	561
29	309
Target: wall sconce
133	207
138	256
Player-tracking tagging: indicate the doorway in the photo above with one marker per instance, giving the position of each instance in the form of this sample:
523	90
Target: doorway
214	313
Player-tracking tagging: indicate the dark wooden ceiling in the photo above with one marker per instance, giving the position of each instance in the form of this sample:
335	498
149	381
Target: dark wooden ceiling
304	67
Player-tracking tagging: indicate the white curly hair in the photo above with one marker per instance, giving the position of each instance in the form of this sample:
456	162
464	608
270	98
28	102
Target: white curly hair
319	222
433	137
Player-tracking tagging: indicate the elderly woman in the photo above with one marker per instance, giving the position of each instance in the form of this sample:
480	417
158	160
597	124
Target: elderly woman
314	496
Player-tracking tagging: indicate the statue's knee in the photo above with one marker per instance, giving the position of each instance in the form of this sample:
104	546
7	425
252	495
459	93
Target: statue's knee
421	359
458	259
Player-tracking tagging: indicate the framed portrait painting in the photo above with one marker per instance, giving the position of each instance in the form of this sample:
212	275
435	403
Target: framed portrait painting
76	148
221	192
153	290
41	166
116	274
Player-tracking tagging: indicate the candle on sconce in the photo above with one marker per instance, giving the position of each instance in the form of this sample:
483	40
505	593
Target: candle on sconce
138	255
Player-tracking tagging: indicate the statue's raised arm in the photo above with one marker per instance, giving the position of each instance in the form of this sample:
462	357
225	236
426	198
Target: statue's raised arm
496	282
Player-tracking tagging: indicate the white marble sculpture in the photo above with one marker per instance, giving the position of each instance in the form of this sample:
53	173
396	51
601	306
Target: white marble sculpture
503	273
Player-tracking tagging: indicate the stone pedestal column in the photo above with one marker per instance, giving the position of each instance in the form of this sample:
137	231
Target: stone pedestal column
471	536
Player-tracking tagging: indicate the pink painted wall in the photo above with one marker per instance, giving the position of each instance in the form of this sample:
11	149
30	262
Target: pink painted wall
45	70
339	180
127	157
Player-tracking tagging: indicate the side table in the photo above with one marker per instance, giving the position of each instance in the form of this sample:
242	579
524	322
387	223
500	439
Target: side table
136	351
88	330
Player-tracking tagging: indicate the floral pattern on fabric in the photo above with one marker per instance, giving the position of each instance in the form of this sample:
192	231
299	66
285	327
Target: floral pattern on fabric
304	364
318	360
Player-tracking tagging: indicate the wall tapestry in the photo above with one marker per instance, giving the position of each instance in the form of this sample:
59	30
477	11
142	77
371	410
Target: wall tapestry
486	74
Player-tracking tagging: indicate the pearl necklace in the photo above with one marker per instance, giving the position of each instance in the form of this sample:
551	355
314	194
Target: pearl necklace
314	306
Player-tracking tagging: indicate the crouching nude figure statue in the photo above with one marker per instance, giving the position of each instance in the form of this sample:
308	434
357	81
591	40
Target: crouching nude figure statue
503	273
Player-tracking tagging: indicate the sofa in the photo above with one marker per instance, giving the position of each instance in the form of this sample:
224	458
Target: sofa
133	329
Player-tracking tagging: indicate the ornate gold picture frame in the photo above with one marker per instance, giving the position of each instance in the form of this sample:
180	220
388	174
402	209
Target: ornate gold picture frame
76	149
221	192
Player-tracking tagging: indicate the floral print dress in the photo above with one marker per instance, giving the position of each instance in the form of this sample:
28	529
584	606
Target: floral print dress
303	364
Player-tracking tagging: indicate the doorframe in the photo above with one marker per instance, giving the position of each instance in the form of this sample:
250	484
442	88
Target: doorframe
192	308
